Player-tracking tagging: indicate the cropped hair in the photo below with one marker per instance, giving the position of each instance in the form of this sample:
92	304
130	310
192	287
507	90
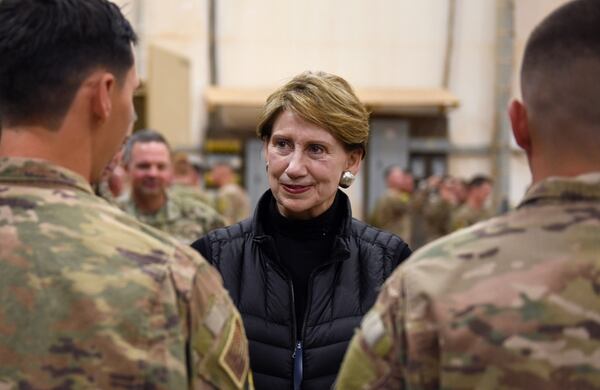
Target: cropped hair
47	49
142	136
478	181
323	99
569	33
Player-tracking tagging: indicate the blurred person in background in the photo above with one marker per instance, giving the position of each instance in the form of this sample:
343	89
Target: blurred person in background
512	302
301	270
231	200
89	297
147	161
113	184
475	208
438	208
187	174
427	189
392	209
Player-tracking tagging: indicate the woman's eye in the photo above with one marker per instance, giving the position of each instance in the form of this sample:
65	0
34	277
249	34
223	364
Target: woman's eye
316	149
282	145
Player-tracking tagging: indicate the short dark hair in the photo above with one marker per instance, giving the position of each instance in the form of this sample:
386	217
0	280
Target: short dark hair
48	47
563	39
478	181
142	136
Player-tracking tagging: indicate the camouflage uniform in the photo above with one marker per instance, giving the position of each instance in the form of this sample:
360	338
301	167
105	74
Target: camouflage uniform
507	303
466	216
391	213
183	217
437	214
232	203
192	192
91	298
102	190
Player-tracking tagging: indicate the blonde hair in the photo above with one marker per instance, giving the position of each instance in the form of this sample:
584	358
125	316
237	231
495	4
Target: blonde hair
323	99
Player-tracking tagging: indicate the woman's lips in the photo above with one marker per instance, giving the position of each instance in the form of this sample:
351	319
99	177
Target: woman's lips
295	189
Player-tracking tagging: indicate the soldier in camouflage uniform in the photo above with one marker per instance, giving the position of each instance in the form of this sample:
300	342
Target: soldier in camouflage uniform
436	207
147	159
89	297
391	211
232	201
511	303
187	171
474	208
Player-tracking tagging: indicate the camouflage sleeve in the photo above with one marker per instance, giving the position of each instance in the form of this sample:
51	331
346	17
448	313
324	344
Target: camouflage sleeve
226	206
391	350
374	218
458	221
218	348
216	221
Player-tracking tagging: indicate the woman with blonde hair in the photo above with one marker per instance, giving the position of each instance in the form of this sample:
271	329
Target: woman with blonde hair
301	271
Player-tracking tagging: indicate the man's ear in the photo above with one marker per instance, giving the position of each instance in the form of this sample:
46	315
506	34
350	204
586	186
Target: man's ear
520	125
101	101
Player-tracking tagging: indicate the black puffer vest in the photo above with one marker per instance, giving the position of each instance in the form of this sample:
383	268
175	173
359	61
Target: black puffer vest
340	292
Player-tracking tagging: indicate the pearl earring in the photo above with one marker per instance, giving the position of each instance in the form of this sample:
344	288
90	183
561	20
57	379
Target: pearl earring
347	179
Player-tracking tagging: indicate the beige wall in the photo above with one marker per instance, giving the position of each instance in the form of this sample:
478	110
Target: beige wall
371	43
171	50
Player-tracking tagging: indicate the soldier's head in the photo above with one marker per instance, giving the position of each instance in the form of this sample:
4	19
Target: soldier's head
398	179
147	160
222	173
187	170
479	189
449	189
558	123
68	61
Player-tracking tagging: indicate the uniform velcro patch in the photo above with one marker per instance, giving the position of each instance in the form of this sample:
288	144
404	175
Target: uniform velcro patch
372	328
234	358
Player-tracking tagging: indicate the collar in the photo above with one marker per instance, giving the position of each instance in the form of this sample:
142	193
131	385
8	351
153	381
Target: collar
262	210
583	187
40	173
170	211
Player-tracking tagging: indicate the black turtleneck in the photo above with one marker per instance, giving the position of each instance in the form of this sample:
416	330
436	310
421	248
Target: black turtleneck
303	245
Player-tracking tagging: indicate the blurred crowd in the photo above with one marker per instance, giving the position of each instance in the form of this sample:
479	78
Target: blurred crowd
434	208
165	189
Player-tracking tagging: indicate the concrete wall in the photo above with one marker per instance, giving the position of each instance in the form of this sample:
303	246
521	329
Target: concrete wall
373	43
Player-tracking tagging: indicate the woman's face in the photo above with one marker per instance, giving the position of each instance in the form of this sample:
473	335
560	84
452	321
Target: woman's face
305	166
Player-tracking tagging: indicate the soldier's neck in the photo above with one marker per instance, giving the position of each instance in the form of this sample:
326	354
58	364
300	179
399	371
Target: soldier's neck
149	204
57	147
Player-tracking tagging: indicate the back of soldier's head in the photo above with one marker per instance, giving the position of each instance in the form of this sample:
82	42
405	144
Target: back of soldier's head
560	73
48	47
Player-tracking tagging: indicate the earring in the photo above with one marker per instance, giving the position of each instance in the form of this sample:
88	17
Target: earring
347	179
267	166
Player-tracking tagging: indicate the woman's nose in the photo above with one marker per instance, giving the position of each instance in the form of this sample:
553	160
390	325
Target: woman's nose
296	165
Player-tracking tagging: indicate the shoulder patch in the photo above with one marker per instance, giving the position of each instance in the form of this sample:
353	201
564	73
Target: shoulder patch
372	328
216	318
234	358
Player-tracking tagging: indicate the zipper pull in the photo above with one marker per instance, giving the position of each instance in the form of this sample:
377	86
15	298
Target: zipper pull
297	355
